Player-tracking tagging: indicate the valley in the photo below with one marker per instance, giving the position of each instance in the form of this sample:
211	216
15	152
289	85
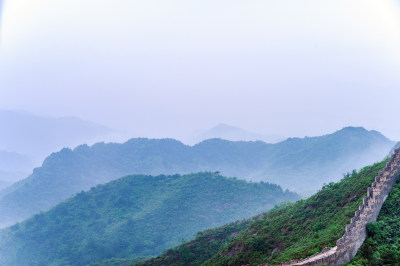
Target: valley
199	133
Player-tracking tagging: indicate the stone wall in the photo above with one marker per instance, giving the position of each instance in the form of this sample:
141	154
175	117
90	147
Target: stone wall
348	245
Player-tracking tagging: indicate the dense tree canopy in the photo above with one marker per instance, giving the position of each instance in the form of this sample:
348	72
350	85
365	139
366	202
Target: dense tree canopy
133	217
288	232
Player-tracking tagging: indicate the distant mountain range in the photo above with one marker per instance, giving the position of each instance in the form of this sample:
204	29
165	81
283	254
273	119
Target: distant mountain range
13	167
223	131
37	136
302	165
134	217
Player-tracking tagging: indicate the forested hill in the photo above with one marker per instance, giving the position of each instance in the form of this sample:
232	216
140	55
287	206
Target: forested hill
291	232
302	165
134	216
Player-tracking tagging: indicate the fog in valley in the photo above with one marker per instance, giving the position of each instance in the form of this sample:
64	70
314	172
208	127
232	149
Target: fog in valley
74	73
127	126
173	68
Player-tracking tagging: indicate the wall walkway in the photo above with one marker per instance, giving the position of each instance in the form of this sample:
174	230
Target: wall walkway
347	246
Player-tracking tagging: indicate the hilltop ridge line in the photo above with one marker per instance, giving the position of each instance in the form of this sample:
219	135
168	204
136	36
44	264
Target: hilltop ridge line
347	246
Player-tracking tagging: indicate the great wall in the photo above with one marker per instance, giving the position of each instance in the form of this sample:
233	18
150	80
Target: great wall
356	232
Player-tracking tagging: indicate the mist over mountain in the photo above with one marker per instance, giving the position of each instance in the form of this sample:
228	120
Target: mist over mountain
302	165
1	13
133	217
7	178
37	136
13	167
127	127
12	160
224	131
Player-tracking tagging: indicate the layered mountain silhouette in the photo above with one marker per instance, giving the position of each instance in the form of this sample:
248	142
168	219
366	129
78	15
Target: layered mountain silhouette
224	131
13	167
38	136
302	165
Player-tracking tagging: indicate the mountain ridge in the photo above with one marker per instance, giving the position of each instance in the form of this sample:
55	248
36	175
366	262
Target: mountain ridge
13	167
134	216
356	231
293	231
233	133
46	134
287	164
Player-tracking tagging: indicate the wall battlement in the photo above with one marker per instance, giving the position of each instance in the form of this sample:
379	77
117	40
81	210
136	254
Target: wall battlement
347	246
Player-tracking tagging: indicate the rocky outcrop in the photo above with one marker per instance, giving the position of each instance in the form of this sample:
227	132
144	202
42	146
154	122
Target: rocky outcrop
348	245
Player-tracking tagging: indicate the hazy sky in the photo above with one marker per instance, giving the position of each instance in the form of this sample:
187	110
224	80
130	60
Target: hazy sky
168	67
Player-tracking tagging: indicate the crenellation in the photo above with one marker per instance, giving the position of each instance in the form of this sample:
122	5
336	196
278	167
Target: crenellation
369	193
365	202
355	232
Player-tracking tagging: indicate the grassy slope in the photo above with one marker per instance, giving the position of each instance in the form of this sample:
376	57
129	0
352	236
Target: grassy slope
135	216
295	231
200	249
303	228
382	246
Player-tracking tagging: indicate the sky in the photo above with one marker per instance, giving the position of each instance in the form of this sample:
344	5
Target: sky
168	68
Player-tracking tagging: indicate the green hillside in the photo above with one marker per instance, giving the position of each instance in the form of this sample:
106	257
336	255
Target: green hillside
132	217
382	246
203	247
295	231
300	164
